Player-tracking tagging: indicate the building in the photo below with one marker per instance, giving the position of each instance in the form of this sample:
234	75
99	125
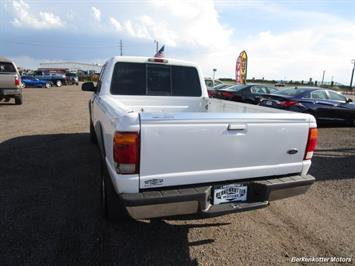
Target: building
70	66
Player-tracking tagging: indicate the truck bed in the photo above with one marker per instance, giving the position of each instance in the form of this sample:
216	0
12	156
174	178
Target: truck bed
151	104
188	141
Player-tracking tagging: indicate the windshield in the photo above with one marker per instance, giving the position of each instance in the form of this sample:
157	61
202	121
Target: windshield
291	91
155	79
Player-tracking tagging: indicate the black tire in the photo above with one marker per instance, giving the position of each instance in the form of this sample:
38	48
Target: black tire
93	138
112	207
350	122
18	100
58	83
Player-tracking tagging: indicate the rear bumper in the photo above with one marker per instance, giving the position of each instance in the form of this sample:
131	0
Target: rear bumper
10	92
198	199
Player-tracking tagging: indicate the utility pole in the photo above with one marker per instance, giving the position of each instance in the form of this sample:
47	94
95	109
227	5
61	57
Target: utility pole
156	46
214	73
352	74
323	77
121	47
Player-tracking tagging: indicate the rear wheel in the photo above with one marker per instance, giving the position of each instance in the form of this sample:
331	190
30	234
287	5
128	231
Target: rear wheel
18	100
58	83
112	207
350	122
48	85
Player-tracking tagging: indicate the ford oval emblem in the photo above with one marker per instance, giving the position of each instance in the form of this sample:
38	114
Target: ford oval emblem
293	151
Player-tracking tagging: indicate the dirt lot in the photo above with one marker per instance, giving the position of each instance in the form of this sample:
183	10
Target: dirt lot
50	208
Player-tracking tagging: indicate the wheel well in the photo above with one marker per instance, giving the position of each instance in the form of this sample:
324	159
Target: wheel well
100	140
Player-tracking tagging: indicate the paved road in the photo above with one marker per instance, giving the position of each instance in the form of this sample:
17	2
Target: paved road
50	210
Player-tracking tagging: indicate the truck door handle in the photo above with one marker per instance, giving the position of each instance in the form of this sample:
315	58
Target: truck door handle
237	127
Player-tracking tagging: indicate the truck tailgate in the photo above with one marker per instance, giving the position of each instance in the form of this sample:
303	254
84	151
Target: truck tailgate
189	148
7	81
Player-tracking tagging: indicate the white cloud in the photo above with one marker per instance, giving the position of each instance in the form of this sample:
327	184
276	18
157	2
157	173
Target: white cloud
96	13
24	17
306	43
320	41
117	26
177	23
299	54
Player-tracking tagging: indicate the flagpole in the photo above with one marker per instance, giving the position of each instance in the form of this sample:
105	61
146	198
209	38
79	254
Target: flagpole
156	46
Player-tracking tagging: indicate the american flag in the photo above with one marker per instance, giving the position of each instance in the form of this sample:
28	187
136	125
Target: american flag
160	53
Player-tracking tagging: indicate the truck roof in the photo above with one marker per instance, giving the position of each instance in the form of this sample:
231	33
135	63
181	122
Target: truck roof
141	59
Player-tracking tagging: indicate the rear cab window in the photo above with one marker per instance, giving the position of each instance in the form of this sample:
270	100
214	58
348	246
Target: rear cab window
155	80
7	67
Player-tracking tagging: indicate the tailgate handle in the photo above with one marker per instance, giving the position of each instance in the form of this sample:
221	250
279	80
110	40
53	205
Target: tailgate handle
237	127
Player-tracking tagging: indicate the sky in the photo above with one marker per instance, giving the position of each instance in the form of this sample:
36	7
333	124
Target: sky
284	40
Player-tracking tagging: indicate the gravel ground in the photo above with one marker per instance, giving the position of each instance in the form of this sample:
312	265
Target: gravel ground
50	208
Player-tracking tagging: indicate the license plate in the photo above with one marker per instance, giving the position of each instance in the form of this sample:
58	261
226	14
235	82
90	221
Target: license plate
229	193
268	102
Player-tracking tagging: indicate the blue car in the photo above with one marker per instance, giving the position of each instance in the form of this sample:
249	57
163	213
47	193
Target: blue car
324	104
29	81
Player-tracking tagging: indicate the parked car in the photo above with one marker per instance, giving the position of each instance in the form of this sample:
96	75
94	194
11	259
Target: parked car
324	104
251	93
212	91
10	81
167	149
72	78
280	83
29	81
55	79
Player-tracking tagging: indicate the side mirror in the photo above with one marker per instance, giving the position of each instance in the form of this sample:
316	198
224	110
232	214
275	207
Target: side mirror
88	86
349	100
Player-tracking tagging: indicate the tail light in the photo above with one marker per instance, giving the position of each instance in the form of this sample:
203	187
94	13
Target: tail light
288	103
227	94
126	152
17	81
311	143
158	60
211	93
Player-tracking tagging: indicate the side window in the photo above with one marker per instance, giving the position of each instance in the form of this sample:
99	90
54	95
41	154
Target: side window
306	96
258	90
99	82
218	82
209	83
319	95
336	96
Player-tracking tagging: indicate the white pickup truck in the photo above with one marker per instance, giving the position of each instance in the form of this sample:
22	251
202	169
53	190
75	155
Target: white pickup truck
167	149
